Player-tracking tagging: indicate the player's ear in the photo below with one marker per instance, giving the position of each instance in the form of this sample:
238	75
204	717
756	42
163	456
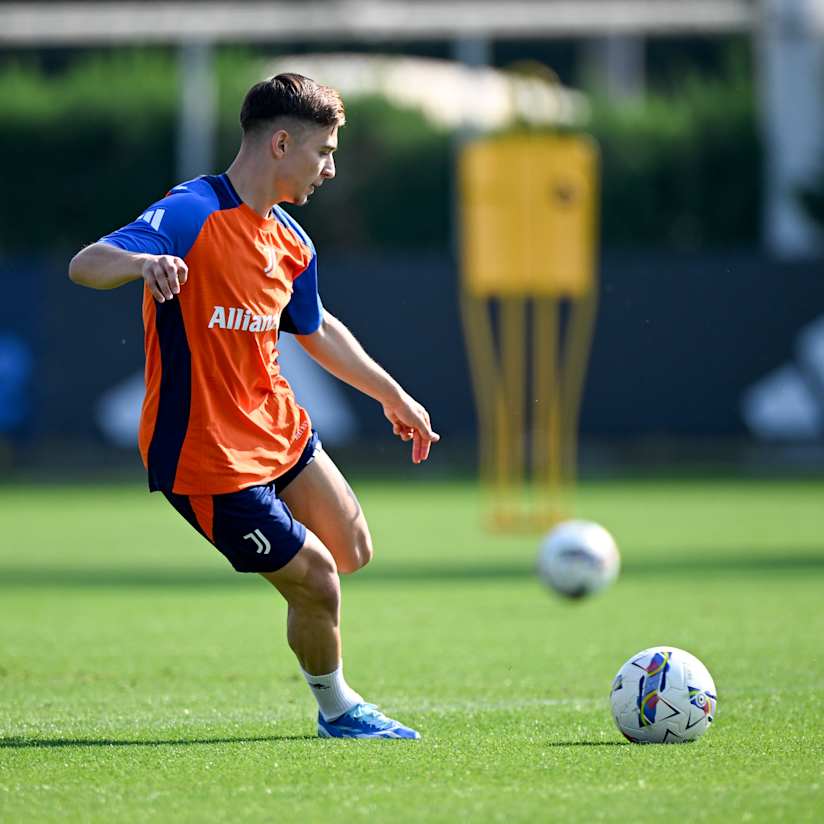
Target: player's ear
280	143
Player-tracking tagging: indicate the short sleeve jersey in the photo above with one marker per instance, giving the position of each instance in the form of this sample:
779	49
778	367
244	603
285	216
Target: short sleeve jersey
218	416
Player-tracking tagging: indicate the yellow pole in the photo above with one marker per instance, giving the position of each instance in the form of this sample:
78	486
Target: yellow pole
486	380
513	358
546	475
576	354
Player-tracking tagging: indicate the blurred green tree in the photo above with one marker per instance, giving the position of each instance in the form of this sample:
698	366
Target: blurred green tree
87	147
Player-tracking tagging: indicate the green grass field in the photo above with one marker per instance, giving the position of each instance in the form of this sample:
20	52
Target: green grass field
142	679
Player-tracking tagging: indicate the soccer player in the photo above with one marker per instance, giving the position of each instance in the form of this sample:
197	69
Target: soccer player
225	270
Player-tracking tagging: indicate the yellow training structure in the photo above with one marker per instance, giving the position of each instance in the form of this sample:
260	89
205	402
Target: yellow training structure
528	241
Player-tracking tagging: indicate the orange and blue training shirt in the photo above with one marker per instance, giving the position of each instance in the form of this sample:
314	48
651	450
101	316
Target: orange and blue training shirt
218	416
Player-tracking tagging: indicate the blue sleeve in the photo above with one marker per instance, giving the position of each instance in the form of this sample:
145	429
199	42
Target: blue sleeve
304	312
168	227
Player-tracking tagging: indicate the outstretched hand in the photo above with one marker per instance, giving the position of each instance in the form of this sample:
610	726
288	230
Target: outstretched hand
410	422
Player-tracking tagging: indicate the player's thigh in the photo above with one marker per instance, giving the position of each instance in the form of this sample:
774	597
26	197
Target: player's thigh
321	498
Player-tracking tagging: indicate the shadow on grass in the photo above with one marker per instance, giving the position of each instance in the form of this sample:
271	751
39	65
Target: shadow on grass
588	744
20	743
732	562
47	743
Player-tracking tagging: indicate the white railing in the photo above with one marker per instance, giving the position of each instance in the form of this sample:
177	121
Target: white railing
358	20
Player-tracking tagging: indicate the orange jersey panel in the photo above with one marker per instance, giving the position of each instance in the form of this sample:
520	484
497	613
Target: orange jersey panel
218	416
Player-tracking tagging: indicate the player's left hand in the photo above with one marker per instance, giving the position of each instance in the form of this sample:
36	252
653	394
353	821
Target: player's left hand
410	422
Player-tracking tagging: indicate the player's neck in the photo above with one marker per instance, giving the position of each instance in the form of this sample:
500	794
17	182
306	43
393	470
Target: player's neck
251	185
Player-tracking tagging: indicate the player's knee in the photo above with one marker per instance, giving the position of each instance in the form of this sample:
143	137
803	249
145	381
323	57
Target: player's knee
322	588
363	549
360	552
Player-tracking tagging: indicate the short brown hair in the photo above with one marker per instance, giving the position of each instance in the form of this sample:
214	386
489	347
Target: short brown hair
291	95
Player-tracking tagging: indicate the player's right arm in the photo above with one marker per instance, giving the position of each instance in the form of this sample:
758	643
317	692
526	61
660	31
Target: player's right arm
103	266
153	247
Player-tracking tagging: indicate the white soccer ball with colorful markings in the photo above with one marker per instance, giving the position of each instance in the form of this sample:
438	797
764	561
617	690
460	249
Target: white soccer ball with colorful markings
663	695
578	558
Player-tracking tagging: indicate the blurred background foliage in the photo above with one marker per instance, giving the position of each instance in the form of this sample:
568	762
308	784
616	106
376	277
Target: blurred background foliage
678	167
96	142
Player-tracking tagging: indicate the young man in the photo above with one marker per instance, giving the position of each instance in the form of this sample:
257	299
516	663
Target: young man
225	269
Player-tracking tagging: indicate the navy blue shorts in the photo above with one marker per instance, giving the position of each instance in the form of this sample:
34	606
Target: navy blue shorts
253	528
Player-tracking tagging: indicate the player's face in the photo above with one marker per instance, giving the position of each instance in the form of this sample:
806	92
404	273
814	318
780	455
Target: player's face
308	163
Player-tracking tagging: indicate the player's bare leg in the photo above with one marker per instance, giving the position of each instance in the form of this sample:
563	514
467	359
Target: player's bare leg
321	499
310	585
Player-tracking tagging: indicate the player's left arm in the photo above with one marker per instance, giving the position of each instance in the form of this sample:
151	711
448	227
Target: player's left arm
337	350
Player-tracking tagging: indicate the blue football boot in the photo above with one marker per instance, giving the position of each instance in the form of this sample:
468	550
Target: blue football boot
364	721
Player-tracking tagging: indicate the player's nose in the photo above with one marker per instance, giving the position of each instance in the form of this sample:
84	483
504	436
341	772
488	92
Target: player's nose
329	168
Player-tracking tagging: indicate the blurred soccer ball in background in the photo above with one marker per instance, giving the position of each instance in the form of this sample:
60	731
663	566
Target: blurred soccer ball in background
578	558
663	695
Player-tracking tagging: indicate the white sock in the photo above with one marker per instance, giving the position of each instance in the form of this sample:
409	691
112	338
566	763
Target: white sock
333	694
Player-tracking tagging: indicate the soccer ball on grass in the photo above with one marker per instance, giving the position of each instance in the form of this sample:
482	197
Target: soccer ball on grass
578	558
663	695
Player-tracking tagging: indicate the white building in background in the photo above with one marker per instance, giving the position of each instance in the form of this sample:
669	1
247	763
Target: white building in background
791	49
450	94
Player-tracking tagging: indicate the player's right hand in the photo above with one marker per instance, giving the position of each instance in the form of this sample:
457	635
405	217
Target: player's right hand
164	275
410	422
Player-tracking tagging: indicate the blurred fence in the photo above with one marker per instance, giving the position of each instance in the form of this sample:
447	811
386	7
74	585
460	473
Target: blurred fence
679	340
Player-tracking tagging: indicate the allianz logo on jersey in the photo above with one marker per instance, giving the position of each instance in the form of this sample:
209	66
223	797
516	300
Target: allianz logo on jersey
240	319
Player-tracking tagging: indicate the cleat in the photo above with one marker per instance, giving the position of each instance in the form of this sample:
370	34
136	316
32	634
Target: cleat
364	721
